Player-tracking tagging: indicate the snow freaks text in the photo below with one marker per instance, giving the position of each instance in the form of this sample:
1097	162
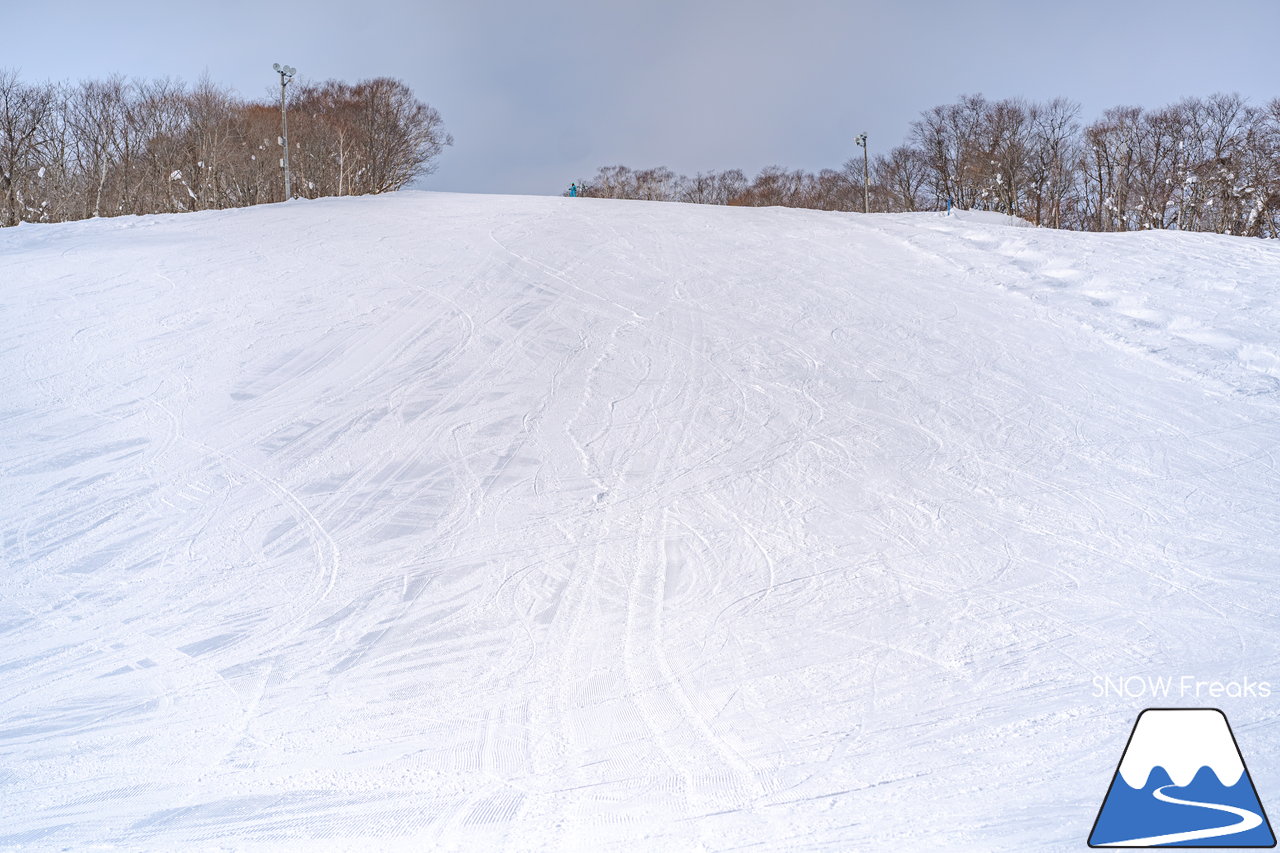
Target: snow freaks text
1179	687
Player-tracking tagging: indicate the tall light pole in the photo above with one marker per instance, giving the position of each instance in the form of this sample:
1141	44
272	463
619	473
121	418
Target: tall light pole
286	73
861	139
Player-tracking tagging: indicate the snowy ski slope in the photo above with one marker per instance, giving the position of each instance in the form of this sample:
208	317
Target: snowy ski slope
446	522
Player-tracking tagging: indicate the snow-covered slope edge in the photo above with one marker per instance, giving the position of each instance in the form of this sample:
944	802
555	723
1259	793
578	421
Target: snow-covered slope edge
464	522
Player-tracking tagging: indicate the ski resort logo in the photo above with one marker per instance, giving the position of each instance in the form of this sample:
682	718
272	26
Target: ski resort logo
1181	782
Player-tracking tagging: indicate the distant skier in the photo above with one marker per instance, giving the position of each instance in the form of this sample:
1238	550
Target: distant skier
573	190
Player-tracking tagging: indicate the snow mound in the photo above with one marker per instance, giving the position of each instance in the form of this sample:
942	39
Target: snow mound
986	217
478	522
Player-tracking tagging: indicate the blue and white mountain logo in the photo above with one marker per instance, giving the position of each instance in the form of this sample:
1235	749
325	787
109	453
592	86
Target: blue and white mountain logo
1181	783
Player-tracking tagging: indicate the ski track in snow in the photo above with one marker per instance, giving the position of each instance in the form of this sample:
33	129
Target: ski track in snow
480	522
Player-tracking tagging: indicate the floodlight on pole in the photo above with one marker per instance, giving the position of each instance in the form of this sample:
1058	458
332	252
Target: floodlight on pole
286	73
861	139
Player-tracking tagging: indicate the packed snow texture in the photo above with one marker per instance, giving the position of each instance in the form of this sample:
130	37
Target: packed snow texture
476	522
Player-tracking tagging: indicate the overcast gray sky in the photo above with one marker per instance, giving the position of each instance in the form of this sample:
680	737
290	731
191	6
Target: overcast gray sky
538	94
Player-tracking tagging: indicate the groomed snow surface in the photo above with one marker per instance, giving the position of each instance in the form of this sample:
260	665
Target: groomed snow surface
445	522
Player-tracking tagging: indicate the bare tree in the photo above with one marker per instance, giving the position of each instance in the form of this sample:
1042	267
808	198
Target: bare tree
1051	175
27	125
96	115
1261	162
109	147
